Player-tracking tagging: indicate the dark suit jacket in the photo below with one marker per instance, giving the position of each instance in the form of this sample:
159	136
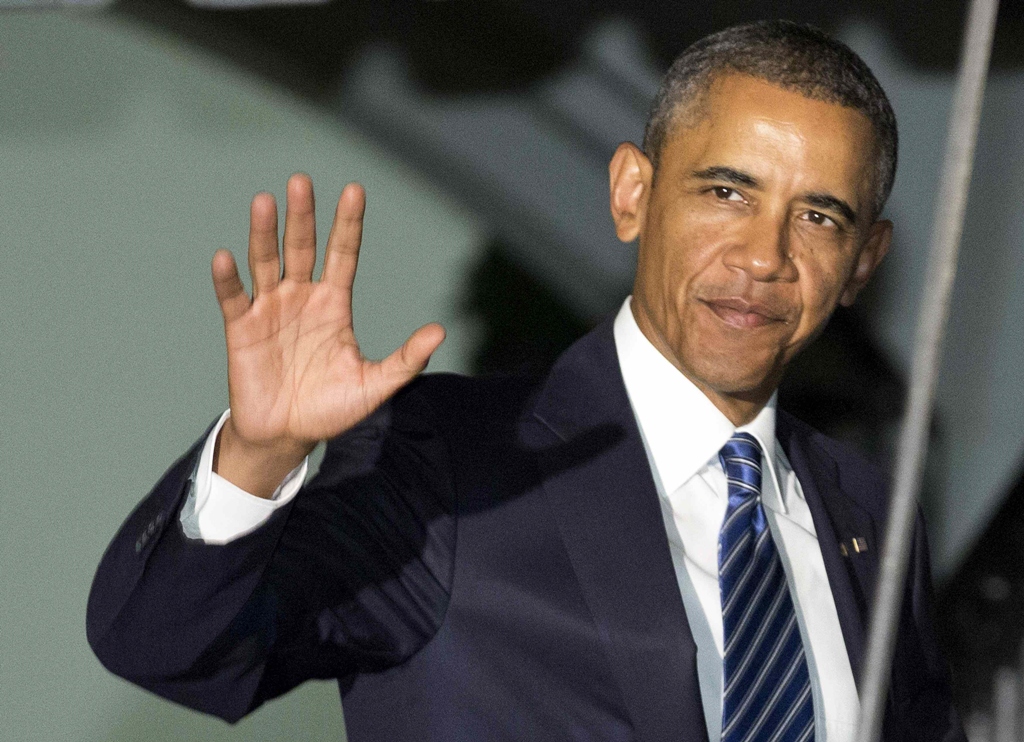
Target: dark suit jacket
482	559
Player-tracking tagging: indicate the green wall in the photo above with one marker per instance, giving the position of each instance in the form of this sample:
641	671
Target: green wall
126	160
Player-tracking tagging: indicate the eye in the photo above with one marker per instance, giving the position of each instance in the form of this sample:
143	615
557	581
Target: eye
816	217
724	193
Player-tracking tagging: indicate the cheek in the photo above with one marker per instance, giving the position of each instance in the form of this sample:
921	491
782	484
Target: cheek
689	247
659	258
821	285
662	287
682	252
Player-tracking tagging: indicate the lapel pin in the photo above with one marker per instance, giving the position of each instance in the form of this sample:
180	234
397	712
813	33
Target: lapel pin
858	544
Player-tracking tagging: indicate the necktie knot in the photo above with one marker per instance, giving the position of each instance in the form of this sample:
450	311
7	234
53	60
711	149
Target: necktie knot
741	461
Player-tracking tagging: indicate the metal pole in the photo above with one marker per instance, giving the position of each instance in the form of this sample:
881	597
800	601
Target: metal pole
950	207
1005	705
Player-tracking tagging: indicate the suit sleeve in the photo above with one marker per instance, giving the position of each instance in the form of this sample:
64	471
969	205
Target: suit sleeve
353	575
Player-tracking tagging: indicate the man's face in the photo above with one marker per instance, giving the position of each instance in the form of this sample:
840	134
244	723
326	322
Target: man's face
758	223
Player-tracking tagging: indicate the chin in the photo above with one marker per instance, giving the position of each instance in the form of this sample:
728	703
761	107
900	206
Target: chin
733	378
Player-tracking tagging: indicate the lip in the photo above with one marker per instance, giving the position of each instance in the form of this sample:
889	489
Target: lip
741	313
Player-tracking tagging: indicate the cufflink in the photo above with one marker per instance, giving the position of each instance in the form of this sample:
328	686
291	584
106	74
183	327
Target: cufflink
857	544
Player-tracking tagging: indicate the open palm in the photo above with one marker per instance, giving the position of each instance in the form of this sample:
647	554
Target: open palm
295	372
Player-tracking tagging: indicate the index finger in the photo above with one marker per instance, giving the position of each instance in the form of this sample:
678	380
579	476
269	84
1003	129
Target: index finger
342	254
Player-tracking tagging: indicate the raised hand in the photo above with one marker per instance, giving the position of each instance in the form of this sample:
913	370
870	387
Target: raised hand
295	372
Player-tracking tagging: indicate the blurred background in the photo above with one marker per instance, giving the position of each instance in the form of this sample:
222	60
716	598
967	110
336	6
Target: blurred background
133	135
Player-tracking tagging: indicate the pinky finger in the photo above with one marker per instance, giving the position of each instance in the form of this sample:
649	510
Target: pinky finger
228	286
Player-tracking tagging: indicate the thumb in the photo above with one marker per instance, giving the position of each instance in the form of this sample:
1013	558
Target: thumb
404	364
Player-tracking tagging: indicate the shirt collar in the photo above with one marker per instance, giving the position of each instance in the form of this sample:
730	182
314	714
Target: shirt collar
682	428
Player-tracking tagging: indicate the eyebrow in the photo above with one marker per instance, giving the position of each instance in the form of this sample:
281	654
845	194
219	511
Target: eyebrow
826	201
727	174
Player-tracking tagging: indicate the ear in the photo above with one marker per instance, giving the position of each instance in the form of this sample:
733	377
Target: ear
630	175
875	248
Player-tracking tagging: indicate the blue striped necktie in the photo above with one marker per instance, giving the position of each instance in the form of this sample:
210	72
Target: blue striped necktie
766	693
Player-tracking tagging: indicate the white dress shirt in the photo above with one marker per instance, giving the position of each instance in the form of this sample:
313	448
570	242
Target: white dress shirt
682	433
217	511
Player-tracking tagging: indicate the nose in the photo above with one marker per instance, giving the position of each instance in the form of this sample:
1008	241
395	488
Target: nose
762	249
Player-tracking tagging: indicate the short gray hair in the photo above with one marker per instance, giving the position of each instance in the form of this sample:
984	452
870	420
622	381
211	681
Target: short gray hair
792	56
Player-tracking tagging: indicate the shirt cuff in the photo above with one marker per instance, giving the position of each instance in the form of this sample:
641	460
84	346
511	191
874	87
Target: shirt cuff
217	512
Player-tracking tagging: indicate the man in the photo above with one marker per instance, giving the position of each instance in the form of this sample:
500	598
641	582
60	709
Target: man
638	546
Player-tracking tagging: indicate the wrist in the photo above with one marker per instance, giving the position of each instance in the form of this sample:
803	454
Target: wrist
257	467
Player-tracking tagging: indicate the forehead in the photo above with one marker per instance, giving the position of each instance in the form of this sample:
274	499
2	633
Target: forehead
773	133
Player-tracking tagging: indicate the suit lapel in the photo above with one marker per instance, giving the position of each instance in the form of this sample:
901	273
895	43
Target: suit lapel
838	520
604	499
